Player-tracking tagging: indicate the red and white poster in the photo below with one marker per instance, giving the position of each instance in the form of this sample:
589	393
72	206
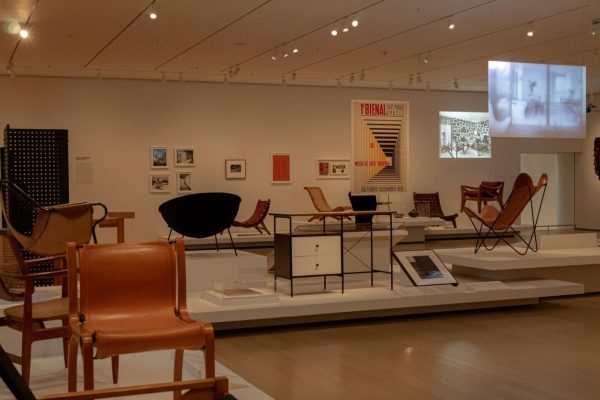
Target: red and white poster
379	147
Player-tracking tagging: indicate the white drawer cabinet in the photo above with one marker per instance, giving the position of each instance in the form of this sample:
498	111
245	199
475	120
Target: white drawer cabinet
307	255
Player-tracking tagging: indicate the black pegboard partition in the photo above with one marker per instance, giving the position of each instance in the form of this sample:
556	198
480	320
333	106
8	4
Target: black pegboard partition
37	161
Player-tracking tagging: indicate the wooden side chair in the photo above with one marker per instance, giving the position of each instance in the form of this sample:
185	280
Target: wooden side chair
212	388
257	219
131	299
486	192
318	199
493	224
17	283
435	208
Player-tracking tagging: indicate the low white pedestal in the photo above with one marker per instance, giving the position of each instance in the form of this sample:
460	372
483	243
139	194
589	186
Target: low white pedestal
416	227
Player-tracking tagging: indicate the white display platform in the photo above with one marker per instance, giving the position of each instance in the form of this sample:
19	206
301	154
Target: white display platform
249	237
49	376
579	265
310	303
415	226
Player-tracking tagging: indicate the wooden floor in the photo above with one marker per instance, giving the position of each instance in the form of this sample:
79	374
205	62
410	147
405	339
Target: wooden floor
548	351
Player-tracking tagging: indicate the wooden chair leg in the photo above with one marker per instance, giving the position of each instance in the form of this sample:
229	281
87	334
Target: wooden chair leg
178	371
26	356
264	226
115	368
72	377
65	340
88	362
209	352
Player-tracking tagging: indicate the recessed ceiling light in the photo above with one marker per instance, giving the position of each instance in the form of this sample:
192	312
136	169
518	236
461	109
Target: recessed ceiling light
451	24
354	23
295	50
334	32
24	33
530	30
152	15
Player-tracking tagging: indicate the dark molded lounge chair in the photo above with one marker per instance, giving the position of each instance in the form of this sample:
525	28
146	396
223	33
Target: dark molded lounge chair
201	215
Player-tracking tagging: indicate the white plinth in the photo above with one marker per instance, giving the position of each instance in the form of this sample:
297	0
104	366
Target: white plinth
416	227
579	265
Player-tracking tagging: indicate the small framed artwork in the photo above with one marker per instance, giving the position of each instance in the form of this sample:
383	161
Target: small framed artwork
424	267
159	183
280	168
235	169
184	157
333	169
159	157
184	182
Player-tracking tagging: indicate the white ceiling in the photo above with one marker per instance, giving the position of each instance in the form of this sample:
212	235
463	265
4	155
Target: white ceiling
207	40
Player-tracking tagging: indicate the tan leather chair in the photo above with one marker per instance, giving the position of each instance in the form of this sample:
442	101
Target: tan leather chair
17	283
493	224
487	191
132	298
318	199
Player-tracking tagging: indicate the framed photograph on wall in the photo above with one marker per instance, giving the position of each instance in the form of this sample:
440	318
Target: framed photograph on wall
424	268
280	168
184	157
333	168
184	182
159	183
159	157
235	169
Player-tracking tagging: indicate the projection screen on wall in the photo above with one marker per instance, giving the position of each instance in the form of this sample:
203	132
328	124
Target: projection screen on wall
536	100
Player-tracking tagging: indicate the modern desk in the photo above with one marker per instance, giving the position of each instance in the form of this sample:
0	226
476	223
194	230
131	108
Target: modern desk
321	253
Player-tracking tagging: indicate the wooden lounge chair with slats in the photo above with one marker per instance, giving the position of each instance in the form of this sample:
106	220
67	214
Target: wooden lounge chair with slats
318	199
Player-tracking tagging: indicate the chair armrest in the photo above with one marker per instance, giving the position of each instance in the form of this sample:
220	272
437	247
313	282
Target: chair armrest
44	260
466	187
35	275
449	217
345	207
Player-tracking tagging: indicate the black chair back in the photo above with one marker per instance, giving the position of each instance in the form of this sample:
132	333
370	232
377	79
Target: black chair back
363	203
200	215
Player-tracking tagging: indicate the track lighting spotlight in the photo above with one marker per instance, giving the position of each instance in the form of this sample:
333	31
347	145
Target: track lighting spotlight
345	27
411	79
427	57
334	31
285	54
354	22
294	75
362	75
419	79
24	33
451	24
152	14
295	49
455	83
530	30
274	56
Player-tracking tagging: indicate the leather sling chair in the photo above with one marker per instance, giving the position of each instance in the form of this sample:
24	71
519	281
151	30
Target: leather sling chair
494	224
435	208
257	219
132	298
318	199
53	226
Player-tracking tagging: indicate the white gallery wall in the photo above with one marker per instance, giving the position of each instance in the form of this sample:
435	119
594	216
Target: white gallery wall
113	123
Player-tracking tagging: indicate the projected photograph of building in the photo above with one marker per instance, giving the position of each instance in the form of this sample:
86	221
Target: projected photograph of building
464	135
536	100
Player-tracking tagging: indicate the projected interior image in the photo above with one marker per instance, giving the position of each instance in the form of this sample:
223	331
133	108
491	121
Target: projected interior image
536	100
464	135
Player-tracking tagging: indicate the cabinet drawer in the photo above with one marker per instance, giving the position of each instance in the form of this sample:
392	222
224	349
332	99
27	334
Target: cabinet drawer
316	265
315	245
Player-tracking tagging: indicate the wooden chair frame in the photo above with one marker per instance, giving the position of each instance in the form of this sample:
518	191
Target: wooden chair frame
318	199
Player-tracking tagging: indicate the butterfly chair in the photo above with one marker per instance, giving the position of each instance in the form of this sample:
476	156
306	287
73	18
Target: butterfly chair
213	388
318	199
435	208
257	219
201	215
53	226
17	283
494	223
487	191
132	299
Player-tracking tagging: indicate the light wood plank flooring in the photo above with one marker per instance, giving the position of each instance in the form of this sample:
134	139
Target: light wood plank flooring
548	351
